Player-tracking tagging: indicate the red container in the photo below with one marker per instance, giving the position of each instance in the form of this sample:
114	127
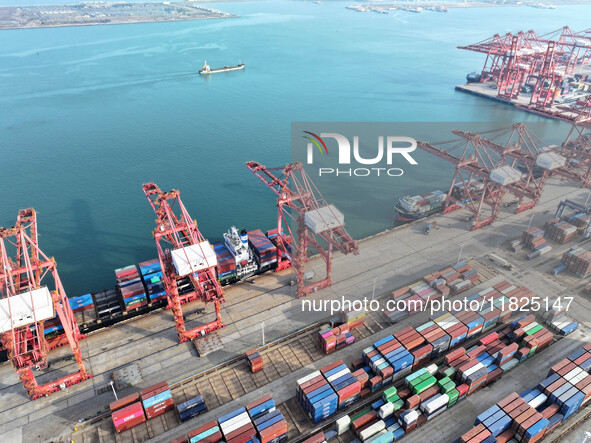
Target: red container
364	420
202	428
386	373
507	400
504	437
349	391
331	366
257	402
413	402
316	438
159	408
248	427
128	417
153	390
125	401
488	339
462	389
181	439
273	431
549	411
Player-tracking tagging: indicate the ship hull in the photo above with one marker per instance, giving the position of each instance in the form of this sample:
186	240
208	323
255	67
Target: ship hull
403	216
224	69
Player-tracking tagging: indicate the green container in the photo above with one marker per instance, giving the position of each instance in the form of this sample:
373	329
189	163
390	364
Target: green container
419	380
415	375
453	397
389	393
533	351
443	381
448	387
393	399
398	404
533	330
425	385
449	372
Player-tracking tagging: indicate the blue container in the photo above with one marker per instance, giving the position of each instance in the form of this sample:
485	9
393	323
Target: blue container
548	381
576	354
268	416
231	415
486	414
192	412
190	403
378	404
134	298
148	269
572	405
52	329
383	340
335	370
149	402
269	422
262	408
497	423
561	390
398	433
538	427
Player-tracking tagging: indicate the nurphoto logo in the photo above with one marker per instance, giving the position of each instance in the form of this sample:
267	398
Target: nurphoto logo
394	146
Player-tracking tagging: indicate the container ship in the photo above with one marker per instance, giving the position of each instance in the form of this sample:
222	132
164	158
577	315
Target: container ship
139	289
420	206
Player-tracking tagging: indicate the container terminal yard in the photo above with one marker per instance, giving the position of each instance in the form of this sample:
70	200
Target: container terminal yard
209	378
544	74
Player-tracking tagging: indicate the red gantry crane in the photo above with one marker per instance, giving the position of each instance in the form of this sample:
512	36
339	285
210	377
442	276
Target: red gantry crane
187	259
30	293
525	58
320	225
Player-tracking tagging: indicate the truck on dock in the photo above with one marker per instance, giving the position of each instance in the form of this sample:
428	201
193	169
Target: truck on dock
430	227
500	261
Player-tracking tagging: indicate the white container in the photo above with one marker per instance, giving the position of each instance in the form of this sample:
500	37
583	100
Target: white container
432	404
308	377
193	258
538	401
431	369
235	423
343	424
339	374
372	430
323	219
550	160
386	410
505	175
25	307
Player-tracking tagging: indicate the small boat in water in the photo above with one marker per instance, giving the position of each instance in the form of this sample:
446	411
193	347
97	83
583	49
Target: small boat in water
206	69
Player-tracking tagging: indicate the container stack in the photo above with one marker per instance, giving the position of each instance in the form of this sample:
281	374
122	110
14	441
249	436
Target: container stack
83	309
473	322
265	252
271	427
564	326
191	408
209	432
580	220
533	238
437	338
226	268
317	397
353	318
453	327
577	261
346	386
334	339
152	275
255	361
130	285
561	232
236	426
157	400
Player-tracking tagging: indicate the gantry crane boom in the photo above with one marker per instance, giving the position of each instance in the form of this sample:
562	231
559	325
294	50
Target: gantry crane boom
320	226
187	260
31	292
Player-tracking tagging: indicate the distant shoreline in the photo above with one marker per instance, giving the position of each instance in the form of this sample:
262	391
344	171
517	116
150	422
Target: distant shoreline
104	13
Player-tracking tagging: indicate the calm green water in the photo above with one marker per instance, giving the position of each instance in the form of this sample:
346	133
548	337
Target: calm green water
88	114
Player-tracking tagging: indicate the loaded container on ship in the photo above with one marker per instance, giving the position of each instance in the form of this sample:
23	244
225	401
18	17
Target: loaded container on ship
420	206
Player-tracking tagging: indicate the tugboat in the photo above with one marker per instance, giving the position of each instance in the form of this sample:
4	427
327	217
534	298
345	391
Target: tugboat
206	69
237	244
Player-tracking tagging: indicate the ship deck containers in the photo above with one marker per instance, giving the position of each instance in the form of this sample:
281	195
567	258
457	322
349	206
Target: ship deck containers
226	268
265	252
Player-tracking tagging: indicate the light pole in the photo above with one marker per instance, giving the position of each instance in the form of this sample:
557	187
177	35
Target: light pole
587	201
373	294
113	388
461	248
530	220
263	330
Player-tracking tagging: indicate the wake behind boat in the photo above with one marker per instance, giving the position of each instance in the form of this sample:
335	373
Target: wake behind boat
206	69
